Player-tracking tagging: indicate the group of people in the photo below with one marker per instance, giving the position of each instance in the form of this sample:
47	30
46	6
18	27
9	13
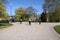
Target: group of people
20	20
30	21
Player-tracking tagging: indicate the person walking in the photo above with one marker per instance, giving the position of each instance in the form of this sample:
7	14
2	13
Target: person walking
39	20
29	21
20	21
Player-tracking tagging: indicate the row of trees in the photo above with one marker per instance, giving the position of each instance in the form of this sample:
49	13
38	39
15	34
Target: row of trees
51	11
52	8
24	13
20	13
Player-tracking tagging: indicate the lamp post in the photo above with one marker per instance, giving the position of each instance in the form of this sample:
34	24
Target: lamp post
10	9
10	12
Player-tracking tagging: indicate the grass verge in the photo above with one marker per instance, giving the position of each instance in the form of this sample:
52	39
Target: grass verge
57	28
4	25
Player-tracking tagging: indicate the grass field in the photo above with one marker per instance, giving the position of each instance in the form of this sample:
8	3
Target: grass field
4	25
57	28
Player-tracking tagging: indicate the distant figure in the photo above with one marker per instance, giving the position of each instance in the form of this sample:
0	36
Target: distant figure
29	21
39	20
20	21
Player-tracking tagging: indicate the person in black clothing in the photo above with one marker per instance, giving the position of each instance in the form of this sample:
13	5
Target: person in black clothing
20	21
29	21
39	20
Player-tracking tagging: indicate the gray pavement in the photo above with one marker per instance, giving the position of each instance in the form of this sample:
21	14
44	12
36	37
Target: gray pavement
43	31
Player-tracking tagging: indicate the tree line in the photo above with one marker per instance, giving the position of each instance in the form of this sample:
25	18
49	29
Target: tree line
52	9
20	13
24	13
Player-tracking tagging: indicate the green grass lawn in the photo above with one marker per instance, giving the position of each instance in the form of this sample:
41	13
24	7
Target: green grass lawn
4	25
57	28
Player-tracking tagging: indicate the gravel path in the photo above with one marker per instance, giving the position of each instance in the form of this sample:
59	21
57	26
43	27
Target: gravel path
43	31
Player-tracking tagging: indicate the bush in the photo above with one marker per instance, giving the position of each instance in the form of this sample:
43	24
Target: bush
25	20
4	21
5	25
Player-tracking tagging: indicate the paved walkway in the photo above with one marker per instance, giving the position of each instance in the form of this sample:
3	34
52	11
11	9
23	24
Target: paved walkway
24	31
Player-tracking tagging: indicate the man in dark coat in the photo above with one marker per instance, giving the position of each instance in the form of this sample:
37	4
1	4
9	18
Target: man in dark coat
20	21
39	20
29	21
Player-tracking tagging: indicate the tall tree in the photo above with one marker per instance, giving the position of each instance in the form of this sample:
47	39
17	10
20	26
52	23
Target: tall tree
31	11
43	17
52	7
20	13
3	13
